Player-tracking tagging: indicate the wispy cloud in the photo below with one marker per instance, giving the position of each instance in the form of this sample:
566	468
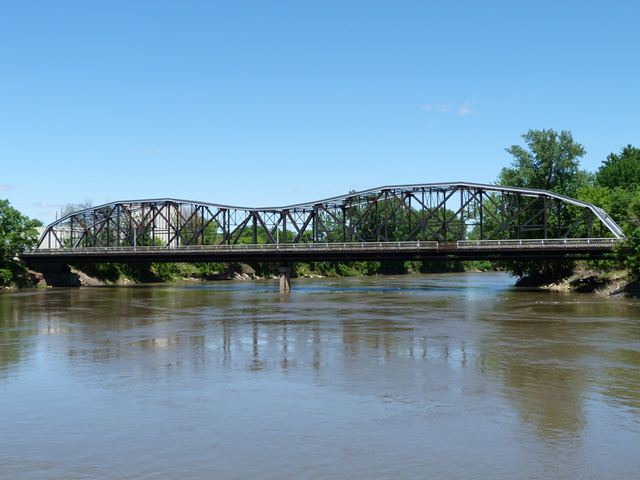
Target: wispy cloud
47	211
460	109
5	188
45	204
437	107
466	108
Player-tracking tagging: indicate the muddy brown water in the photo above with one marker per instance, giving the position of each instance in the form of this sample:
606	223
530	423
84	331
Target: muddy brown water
454	376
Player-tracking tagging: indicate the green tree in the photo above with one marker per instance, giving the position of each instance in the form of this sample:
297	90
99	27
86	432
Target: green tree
614	201
617	191
17	232
549	161
622	170
628	253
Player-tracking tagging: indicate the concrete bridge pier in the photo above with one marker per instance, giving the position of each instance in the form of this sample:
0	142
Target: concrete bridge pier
285	279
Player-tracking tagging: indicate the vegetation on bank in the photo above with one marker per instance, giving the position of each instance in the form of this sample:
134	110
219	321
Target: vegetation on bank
17	232
547	160
616	189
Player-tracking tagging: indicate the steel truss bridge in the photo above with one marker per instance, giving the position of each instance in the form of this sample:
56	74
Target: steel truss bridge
407	222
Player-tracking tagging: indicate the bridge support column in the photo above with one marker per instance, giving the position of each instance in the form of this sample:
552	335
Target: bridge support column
285	279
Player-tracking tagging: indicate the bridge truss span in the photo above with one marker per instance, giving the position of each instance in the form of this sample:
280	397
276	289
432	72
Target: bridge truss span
439	212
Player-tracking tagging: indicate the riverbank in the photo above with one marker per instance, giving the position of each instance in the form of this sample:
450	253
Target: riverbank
127	274
122	274
586	279
178	274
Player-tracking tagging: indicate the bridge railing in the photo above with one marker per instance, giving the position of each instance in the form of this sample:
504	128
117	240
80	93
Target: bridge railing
541	244
538	243
267	247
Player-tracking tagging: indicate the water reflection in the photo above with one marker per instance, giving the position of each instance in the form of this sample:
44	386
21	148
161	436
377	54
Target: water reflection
461	352
621	382
541	377
16	336
551	353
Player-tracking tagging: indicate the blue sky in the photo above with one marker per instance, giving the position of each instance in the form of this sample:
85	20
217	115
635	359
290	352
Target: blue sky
274	102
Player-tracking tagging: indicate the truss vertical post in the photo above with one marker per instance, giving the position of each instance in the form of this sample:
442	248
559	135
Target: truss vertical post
226	229
377	217
409	209
445	221
481	215
283	215
117	212
544	218
142	225
202	225
254	228
154	211
518	214
385	233
314	225
462	225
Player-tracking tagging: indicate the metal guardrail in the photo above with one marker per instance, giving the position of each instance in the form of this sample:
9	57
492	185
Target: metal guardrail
248	248
541	243
568	243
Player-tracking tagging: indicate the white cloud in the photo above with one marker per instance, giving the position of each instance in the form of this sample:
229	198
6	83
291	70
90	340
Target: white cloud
460	109
466	108
46	205
437	107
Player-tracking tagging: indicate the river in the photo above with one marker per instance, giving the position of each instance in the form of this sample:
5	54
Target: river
453	376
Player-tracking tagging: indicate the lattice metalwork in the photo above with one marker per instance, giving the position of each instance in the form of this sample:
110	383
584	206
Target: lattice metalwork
430	212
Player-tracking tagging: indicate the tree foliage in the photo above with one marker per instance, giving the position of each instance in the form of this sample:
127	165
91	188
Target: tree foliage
617	191
548	161
628	253
17	232
614	201
621	170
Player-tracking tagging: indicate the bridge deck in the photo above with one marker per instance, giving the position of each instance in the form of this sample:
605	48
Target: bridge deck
382	251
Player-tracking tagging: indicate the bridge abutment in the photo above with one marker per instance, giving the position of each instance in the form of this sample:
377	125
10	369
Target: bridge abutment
56	274
285	279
